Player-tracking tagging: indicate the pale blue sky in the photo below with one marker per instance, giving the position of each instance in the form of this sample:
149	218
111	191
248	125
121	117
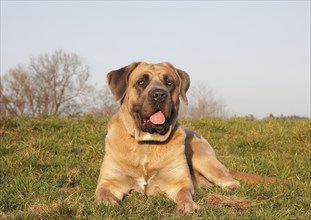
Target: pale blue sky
255	55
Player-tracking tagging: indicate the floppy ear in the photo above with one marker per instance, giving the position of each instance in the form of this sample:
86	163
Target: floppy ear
117	80
185	84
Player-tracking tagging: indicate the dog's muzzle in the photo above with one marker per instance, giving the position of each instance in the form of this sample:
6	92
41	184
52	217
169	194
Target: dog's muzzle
158	95
157	118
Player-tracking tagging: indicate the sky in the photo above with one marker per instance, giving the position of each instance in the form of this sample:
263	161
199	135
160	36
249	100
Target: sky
254	55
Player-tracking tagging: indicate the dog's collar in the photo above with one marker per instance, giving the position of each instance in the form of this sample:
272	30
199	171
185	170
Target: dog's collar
142	136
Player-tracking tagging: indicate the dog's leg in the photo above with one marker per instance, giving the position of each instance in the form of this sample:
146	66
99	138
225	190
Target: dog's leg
214	171
104	195
202	159
184	201
175	181
111	192
112	184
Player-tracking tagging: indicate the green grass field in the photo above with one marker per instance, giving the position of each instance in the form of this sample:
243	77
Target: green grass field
49	169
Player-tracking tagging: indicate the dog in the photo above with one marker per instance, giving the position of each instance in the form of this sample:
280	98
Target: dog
146	148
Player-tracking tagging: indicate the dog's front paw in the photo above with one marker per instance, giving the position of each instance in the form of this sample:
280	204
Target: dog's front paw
187	207
232	184
105	197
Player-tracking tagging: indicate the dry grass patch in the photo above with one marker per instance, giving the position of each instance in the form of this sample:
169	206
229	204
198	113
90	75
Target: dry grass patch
235	202
38	209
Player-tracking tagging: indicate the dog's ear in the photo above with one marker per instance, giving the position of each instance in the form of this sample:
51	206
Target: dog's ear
185	84
117	80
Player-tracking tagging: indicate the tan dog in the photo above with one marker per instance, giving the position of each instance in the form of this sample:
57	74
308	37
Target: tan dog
146	148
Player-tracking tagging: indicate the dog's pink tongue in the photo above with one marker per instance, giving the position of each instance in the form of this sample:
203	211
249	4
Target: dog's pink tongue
157	118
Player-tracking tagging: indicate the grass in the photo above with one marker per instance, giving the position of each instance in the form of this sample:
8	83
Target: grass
49	169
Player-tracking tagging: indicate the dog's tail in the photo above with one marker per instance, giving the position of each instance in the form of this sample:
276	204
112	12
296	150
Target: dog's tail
256	179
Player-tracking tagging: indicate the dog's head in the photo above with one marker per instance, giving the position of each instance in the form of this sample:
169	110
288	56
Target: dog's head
149	96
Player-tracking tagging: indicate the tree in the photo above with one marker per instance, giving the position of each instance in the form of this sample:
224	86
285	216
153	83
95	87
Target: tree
103	103
51	84
202	103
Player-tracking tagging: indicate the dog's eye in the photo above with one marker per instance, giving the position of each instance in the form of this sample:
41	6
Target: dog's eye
169	83
141	82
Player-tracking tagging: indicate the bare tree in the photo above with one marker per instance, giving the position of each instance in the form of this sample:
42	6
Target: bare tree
103	103
202	103
51	84
14	95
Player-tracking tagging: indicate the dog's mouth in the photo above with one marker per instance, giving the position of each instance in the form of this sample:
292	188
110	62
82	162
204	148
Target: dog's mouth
157	122
158	118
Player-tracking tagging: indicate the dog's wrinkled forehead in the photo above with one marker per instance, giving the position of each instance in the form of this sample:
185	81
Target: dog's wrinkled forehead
153	72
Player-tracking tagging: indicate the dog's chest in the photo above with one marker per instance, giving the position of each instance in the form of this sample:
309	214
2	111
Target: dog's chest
146	163
145	174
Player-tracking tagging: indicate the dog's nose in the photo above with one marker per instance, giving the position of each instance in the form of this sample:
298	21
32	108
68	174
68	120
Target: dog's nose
158	95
